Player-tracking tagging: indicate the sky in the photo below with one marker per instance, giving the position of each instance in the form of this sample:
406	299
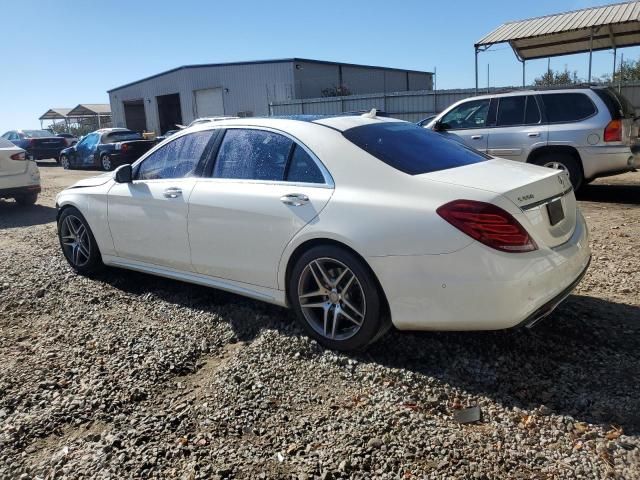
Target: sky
73	51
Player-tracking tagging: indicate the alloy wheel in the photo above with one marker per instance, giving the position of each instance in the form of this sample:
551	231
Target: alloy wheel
75	240
556	166
106	162
331	298
64	162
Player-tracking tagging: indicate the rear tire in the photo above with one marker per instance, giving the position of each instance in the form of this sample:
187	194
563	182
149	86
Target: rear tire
348	311
27	199
105	163
563	161
64	162
78	244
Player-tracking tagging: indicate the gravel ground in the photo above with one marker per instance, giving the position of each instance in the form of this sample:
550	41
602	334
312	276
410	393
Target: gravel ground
129	376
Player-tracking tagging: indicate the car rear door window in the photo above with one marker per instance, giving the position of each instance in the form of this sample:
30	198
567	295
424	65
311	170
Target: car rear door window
253	155
532	111
567	107
511	111
302	168
176	159
412	149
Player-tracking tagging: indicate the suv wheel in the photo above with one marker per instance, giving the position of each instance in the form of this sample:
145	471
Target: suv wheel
563	161
27	199
336	299
78	243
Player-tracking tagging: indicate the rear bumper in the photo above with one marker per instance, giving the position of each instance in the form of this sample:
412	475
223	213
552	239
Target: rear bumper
478	288
603	160
44	153
17	191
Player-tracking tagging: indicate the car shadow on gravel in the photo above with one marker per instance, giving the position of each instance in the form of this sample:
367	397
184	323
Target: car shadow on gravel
583	361
612	193
13	215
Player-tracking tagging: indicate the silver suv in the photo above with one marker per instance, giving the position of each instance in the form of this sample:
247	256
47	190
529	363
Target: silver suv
588	131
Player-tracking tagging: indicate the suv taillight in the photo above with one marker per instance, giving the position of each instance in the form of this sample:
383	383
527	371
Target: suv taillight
488	224
19	156
613	131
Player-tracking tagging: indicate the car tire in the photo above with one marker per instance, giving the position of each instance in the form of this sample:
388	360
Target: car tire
27	199
348	311
65	162
77	242
105	162
563	161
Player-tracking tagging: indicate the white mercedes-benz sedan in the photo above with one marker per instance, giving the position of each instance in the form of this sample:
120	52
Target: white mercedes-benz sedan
356	222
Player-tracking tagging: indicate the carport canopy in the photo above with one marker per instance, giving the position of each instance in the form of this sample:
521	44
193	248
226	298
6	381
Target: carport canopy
90	110
579	31
55	114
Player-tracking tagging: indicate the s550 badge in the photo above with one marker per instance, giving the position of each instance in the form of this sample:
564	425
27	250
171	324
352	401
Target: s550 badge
524	198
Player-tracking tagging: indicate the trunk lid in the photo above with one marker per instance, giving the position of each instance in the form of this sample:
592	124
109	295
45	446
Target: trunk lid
48	143
137	147
543	195
7	165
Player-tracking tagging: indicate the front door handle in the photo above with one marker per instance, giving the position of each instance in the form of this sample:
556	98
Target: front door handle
294	199
172	192
533	134
476	137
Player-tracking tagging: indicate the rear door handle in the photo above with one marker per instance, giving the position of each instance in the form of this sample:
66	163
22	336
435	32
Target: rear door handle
172	192
294	199
476	137
533	134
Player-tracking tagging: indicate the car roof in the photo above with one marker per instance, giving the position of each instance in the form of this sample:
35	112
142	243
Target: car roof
538	91
335	122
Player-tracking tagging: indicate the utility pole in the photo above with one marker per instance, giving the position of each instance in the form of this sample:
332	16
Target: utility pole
487	78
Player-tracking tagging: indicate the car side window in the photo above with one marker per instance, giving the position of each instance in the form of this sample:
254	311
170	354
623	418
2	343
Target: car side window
511	111
567	107
252	154
176	159
302	168
471	114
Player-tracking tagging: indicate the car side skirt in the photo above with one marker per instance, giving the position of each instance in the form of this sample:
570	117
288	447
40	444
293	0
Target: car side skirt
276	297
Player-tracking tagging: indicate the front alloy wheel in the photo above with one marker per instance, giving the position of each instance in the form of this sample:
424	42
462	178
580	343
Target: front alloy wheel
64	162
337	299
105	163
77	241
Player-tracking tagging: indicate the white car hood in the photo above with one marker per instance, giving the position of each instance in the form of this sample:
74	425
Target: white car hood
93	181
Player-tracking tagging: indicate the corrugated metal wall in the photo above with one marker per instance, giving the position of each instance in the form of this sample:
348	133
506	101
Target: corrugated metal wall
411	106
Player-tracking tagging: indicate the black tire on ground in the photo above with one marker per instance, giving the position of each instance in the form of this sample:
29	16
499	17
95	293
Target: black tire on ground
79	228
105	163
566	162
27	199
372	326
65	162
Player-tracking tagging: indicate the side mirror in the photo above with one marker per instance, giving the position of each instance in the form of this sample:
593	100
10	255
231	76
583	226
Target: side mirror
124	174
439	126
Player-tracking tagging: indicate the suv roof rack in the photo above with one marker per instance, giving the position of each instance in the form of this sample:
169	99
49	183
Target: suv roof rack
573	86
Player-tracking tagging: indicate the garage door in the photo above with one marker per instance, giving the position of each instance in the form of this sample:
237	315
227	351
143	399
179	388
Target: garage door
209	102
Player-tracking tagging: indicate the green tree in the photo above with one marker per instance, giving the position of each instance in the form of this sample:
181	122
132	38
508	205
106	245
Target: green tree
552	77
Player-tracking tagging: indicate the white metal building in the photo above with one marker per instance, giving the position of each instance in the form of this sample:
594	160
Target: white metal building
178	96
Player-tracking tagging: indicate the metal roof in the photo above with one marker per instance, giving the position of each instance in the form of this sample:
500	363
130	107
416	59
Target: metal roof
257	62
612	26
90	110
55	114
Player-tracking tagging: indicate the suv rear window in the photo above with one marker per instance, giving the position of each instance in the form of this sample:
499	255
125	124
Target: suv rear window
617	104
412	149
567	107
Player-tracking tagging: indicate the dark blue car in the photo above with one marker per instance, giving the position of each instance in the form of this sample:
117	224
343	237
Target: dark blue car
105	149
39	144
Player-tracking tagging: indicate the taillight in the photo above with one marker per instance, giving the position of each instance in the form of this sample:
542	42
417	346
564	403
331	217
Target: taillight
488	224
613	131
19	156
124	147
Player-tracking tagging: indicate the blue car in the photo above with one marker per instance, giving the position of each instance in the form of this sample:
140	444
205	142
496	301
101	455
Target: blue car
39	144
105	149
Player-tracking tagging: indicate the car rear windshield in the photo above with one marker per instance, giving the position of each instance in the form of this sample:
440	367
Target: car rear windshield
37	133
121	137
412	149
617	104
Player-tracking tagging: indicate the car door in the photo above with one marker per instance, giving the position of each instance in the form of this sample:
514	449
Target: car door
263	188
519	128
148	217
468	121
